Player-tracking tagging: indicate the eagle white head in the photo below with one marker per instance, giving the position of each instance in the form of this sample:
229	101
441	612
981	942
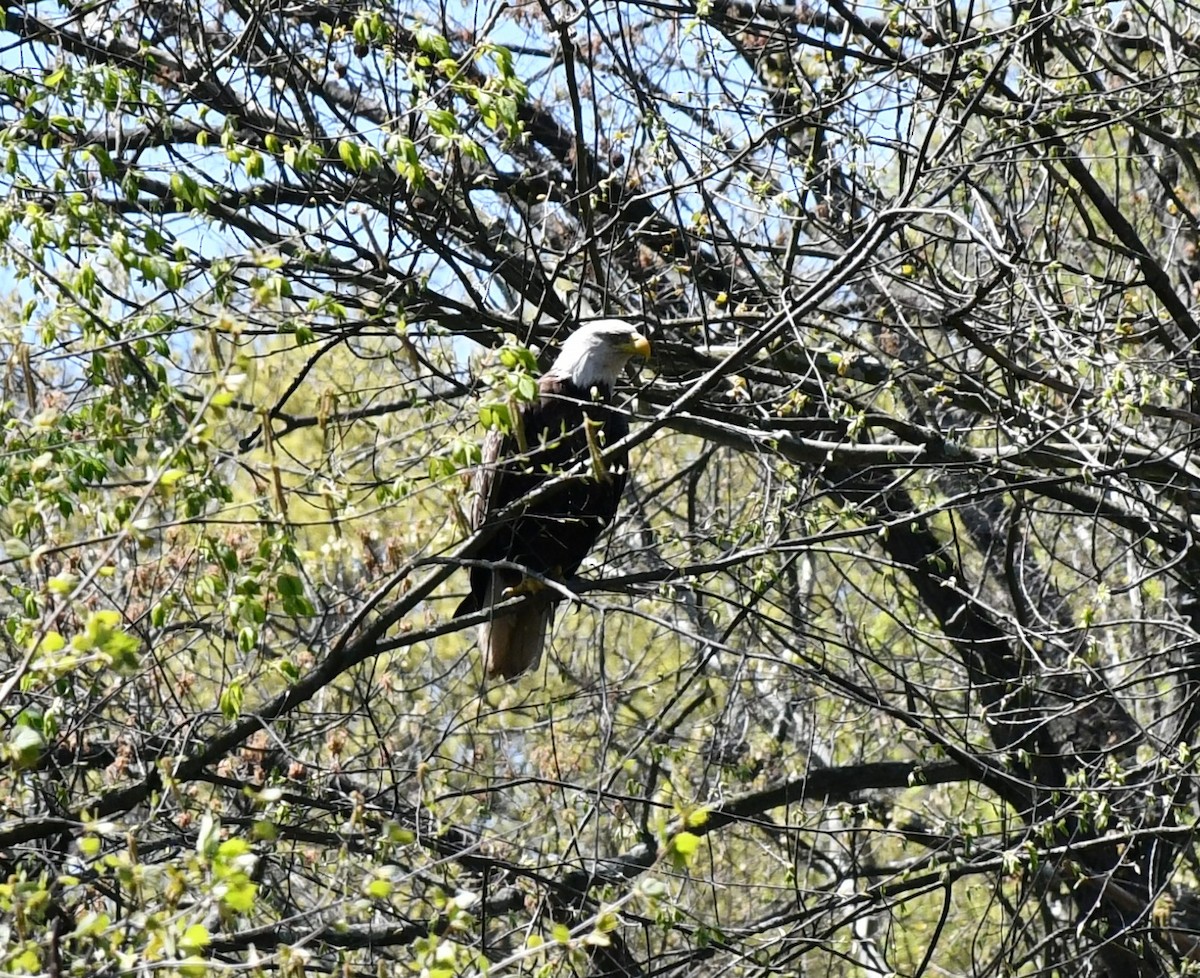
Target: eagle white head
596	353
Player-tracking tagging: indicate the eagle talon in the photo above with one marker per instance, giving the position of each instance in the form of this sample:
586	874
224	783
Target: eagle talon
529	585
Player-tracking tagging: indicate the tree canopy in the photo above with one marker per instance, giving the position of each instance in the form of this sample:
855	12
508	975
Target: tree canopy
890	662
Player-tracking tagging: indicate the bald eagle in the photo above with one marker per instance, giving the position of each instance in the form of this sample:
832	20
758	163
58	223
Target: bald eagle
571	422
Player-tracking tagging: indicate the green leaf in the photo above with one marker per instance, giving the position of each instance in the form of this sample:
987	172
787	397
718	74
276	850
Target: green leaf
472	150
288	669
378	889
102	635
433	43
230	849
24	747
683	848
193	966
495	414
350	153
289	586
92	924
400	835
51	642
298	606
195	938
527	388
27	961
185	188
239	895
442	122
231	700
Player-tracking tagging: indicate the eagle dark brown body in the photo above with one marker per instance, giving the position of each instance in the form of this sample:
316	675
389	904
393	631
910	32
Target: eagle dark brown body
564	432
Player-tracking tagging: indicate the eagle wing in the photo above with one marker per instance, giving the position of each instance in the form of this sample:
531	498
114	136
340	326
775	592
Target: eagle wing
484	478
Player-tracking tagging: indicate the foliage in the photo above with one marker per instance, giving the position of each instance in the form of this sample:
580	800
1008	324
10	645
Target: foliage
889	665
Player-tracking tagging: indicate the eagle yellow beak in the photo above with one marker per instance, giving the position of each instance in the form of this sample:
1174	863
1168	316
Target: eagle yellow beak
640	345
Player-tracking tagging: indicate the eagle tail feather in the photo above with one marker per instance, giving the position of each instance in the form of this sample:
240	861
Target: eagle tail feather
513	643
